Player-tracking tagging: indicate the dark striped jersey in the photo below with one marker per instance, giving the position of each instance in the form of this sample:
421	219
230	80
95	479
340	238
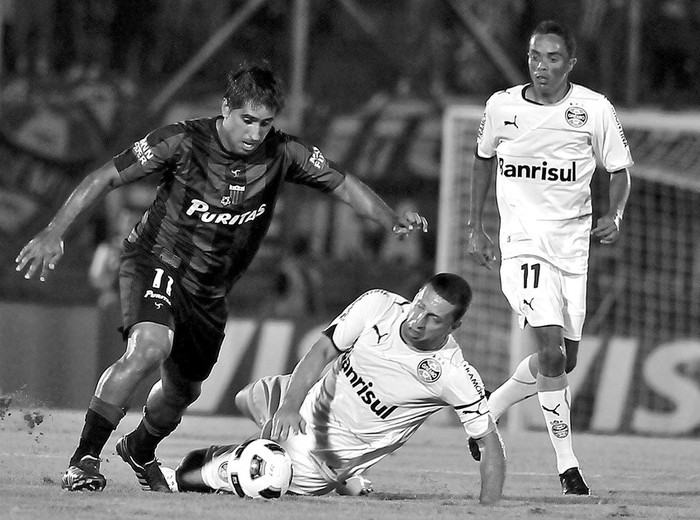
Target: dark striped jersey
212	208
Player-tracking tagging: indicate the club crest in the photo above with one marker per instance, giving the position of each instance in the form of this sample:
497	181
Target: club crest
235	195
576	116
429	370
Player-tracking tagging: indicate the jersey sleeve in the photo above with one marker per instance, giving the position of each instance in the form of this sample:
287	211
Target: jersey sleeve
151	154
464	391
348	326
308	166
485	142
609	142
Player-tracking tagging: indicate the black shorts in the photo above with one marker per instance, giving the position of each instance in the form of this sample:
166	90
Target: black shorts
151	291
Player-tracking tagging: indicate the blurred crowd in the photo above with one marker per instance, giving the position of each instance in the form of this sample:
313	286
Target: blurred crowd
418	46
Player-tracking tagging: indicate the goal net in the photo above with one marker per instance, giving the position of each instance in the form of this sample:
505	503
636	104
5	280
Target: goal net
645	288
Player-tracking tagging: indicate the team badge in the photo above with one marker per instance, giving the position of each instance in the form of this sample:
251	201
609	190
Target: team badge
576	116
560	429
235	195
429	370
221	471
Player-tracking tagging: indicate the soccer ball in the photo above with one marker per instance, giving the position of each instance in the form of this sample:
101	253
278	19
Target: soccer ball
260	468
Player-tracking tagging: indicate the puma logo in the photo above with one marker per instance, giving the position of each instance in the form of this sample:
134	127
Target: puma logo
553	410
158	305
529	303
514	122
379	335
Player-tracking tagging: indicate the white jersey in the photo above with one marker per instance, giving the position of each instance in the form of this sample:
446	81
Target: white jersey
546	156
380	390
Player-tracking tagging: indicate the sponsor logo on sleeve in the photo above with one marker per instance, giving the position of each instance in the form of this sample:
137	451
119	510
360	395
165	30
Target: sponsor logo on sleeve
142	151
317	159
482	125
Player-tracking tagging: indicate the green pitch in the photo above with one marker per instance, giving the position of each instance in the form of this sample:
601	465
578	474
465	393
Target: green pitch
432	477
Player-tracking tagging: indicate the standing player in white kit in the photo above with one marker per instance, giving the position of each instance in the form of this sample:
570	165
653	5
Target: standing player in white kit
542	140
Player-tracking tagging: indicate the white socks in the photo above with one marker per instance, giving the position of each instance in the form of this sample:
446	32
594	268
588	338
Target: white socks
555	402
520	386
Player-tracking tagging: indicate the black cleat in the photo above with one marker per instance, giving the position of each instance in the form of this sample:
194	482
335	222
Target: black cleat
149	474
84	476
572	483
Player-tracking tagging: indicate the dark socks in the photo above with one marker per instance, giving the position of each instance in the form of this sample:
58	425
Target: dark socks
142	443
94	436
101	420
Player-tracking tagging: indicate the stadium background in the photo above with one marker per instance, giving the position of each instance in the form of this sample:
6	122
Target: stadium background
370	84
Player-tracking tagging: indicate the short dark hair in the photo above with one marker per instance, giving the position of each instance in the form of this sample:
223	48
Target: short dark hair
254	83
454	289
553	27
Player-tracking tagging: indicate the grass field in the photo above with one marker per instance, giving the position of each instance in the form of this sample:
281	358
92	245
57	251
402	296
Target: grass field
432	477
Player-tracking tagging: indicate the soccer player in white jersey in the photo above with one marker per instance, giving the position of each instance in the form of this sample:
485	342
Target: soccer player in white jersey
393	363
542	140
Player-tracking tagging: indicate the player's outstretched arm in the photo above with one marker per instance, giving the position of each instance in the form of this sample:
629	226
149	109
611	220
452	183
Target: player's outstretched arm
287	420
369	205
46	248
607	228
492	467
479	244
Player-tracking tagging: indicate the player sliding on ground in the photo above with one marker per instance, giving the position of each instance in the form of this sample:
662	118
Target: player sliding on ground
394	363
542	140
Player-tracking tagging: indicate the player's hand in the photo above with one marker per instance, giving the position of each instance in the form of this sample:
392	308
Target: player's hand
607	229
42	252
480	247
286	423
408	223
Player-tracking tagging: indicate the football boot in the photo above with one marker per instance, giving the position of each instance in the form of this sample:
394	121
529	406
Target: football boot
572	483
84	476
149	474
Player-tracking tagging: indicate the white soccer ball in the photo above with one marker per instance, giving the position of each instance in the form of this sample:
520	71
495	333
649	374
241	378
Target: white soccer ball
260	468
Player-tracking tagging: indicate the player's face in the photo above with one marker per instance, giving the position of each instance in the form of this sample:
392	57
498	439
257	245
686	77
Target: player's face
430	319
549	65
243	129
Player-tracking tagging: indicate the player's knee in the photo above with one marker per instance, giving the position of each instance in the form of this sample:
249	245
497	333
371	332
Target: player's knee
148	346
551	361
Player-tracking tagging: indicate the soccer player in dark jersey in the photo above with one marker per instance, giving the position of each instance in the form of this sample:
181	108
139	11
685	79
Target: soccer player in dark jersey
220	178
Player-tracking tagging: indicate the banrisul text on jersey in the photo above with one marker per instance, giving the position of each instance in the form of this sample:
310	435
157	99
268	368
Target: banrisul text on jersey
364	391
543	171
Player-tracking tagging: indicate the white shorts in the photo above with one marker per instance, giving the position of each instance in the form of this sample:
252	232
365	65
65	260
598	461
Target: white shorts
311	475
541	294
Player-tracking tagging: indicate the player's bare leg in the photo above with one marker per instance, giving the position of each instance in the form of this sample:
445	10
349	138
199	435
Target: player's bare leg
148	345
165	406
